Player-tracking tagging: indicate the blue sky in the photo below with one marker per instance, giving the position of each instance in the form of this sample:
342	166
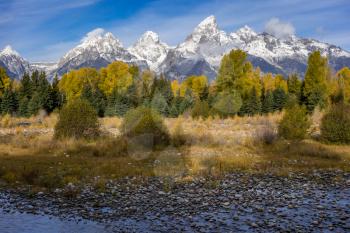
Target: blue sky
44	30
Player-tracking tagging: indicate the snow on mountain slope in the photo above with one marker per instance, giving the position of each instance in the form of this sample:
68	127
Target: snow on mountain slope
200	53
151	49
98	49
13	63
47	67
207	44
207	41
290	54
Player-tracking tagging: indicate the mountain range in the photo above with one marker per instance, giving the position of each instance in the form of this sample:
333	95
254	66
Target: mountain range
200	53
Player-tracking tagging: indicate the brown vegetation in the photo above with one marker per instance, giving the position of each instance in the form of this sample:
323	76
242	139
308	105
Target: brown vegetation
30	155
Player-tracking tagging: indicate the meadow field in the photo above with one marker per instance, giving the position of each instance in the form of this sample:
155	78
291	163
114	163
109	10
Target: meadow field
29	155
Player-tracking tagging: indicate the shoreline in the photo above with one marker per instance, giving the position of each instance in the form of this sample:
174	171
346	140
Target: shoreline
237	201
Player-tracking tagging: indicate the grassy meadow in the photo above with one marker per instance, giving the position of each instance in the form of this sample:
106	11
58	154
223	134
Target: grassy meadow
30	155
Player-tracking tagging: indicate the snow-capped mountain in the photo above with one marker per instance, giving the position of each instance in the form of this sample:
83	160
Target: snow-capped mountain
47	67
13	63
287	55
97	49
200	53
151	49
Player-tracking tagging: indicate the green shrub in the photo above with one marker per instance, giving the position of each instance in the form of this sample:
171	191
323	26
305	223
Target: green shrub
335	125
200	109
227	104
145	126
77	119
294	124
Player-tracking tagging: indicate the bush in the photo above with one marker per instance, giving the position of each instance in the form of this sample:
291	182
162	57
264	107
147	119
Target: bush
77	119
145	126
227	104
294	124
335	124
266	135
200	109
178	137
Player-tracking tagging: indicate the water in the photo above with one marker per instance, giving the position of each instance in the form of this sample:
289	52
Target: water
30	223
334	216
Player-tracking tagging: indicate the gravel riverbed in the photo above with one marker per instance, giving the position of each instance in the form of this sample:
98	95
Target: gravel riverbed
239	202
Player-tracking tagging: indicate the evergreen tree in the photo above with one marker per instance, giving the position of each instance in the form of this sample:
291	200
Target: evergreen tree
34	104
35	80
252	105
160	104
132	96
315	85
111	101
294	85
174	110
187	102
279	99
96	98
268	103
200	109
119	103
56	95
39	91
23	107
26	87
163	86
44	90
9	103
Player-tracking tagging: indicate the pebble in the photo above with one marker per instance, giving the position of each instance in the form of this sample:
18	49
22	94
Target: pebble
238	203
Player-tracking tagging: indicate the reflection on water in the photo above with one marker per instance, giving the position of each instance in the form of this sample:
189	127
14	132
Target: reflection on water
29	223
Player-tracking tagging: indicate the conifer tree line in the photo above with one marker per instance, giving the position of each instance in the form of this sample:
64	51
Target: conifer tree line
239	89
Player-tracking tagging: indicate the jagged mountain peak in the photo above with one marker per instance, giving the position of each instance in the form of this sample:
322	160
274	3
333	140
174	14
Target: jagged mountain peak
207	32
207	26
97	41
99	36
149	37
8	50
150	48
14	64
200	53
246	31
209	21
97	49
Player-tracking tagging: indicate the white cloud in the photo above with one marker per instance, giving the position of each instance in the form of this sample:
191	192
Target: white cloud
93	34
279	29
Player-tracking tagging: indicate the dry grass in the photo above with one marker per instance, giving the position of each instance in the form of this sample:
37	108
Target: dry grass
213	147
